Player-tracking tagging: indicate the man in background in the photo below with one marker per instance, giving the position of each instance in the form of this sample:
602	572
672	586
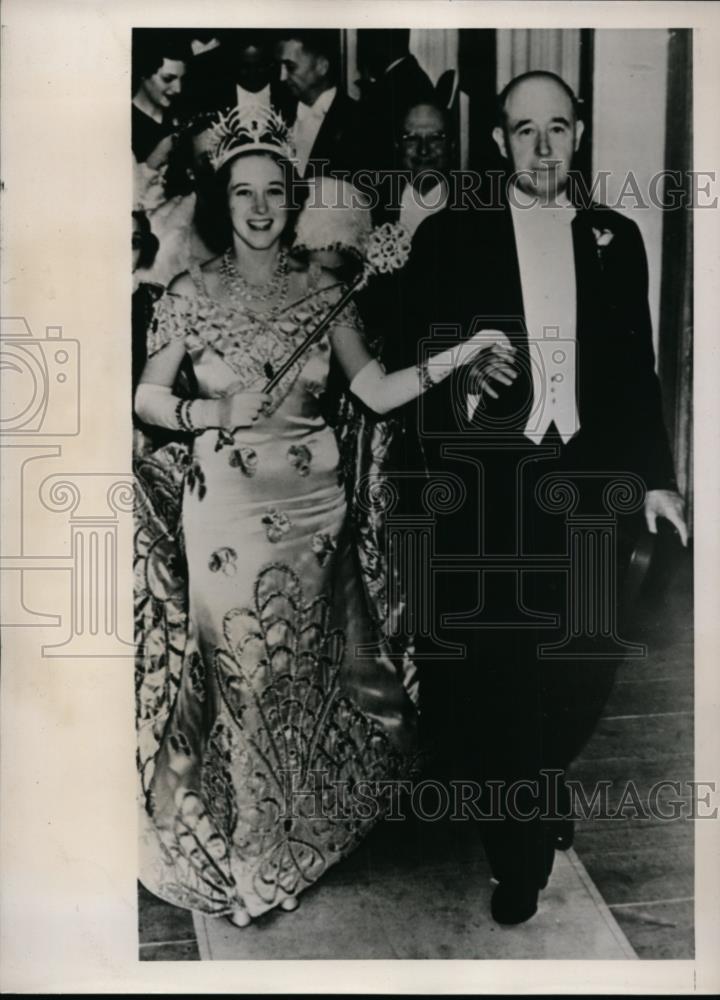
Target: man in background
325	127
391	82
239	73
425	148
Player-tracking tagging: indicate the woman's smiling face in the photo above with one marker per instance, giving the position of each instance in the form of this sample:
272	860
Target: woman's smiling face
163	86
257	200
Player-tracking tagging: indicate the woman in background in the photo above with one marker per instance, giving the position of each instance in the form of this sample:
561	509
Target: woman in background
159	66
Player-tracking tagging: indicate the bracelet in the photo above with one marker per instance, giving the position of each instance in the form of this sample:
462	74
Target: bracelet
188	416
182	415
179	414
424	375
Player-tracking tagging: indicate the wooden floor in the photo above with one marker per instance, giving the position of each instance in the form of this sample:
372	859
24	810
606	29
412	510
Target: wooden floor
643	868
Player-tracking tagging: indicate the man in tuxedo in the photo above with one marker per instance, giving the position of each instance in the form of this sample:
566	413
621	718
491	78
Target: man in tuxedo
425	147
325	126
574	398
239	72
391	81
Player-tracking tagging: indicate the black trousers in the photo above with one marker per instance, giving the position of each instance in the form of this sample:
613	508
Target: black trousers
513	724
503	715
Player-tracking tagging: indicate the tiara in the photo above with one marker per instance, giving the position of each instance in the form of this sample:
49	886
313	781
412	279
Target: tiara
248	130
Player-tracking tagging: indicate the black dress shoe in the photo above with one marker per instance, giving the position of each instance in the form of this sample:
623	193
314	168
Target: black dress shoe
513	904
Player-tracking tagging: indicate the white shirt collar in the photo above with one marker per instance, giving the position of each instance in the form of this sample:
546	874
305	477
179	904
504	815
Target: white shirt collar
429	200
199	47
321	106
414	207
247	97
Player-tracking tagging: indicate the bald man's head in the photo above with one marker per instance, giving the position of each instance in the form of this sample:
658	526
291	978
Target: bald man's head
534	76
540	132
425	143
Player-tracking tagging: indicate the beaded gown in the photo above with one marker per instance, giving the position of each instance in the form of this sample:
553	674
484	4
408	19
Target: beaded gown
265	691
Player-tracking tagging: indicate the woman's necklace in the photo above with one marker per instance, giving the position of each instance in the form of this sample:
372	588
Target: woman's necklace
246	294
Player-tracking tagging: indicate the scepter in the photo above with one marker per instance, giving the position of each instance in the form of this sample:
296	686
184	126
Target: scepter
386	249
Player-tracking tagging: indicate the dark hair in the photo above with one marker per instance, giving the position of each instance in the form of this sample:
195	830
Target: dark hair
319	42
151	47
217	227
378	47
251	38
150	242
540	74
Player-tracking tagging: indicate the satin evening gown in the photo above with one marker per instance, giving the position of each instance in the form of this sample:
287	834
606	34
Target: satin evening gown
265	691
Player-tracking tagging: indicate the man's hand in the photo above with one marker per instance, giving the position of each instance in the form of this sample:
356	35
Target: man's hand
498	364
667	504
487	342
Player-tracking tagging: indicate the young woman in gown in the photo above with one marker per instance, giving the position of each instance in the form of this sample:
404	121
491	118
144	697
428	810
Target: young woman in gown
260	717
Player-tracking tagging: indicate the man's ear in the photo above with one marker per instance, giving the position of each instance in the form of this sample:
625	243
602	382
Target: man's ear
498	135
579	129
323	65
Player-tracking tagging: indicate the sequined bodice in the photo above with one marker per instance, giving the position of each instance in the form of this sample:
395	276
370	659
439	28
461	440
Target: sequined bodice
235	348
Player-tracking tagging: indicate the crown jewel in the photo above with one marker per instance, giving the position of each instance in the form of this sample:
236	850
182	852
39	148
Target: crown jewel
250	129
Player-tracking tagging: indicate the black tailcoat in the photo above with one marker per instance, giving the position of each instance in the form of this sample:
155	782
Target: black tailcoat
501	711
335	146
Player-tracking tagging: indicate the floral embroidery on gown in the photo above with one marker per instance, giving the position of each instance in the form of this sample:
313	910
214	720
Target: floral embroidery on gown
259	707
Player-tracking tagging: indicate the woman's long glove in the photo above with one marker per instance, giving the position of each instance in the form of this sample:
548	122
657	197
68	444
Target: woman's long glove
157	405
383	392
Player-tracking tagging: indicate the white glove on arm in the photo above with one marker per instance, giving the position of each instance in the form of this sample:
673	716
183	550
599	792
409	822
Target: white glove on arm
383	392
156	404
